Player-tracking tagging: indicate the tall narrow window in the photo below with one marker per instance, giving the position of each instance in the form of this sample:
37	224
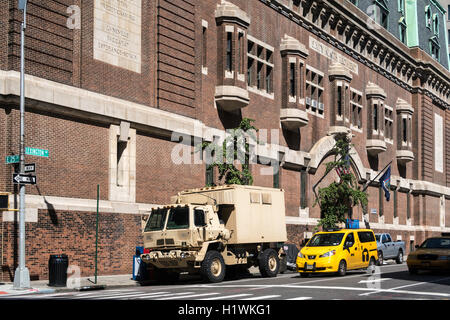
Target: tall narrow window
276	176
229	51
303	188
259	79
404	130
292	85
241	56
339	100
250	67
209	176
269	79
121	147
204	46
375	117
395	203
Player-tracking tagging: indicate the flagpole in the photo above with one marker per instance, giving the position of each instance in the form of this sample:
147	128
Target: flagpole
379	173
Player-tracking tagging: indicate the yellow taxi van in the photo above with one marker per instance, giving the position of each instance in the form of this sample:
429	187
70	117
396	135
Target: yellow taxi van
338	251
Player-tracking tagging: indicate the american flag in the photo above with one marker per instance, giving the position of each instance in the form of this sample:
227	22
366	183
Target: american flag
344	169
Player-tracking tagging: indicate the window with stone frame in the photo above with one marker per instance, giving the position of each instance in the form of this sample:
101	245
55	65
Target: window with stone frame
356	109
388	124
314	102
259	66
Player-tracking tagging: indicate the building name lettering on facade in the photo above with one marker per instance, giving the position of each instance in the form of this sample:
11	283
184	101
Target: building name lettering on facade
332	55
117	33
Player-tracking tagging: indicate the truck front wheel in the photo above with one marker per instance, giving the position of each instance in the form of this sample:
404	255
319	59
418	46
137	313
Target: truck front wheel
213	267
269	264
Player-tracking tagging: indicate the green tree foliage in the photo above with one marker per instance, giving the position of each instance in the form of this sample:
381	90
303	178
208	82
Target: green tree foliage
336	199
234	147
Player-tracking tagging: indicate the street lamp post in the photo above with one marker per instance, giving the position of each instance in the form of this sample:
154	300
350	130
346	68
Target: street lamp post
22	275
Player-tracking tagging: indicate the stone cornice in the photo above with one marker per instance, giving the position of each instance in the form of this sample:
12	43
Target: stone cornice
413	62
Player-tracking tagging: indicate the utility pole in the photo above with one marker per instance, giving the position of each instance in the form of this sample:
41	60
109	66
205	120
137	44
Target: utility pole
22	275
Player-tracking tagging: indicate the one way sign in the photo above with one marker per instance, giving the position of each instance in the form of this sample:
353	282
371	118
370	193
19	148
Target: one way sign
23	179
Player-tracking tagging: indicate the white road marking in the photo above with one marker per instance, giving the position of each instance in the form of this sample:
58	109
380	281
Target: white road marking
228	297
111	296
262	297
375	280
190	296
300	298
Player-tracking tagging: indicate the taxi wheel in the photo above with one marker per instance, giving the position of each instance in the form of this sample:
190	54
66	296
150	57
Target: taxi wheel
342	270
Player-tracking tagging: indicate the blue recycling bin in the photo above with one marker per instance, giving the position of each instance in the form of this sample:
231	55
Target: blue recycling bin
352	224
139	267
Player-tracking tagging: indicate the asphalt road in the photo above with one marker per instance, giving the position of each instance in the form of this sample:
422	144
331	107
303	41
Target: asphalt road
389	282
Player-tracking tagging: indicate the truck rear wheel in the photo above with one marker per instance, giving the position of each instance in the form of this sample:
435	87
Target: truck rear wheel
213	267
269	264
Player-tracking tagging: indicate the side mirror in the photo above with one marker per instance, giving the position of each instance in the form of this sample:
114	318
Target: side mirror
416	246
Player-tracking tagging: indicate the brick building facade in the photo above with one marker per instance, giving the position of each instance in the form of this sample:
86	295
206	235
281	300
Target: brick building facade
112	87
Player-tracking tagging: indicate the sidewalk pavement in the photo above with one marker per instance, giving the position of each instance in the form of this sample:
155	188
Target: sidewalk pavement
86	283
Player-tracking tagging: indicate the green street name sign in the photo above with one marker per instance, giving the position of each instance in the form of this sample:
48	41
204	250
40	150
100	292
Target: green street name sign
36	152
28	151
12	159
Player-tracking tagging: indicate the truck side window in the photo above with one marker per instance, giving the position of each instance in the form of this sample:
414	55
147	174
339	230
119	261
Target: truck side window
388	238
199	218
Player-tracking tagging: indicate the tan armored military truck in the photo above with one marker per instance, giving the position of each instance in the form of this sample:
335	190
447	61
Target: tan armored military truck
211	231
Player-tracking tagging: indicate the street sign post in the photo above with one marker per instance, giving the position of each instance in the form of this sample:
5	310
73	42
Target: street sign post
22	274
24	178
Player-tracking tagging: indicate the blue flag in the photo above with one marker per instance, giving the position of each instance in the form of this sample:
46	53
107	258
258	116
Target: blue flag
385	181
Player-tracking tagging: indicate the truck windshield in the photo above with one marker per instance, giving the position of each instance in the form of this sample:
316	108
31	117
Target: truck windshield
325	240
178	218
156	220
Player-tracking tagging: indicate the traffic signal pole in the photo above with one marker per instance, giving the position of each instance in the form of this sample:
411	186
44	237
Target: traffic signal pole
22	275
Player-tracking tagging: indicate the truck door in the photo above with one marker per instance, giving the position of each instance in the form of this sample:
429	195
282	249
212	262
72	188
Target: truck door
199	232
388	246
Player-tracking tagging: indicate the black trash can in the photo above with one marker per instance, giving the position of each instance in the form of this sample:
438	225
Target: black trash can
57	270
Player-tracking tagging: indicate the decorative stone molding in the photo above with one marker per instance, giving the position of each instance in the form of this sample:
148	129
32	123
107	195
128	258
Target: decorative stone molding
290	45
375	146
231	98
293	119
229	11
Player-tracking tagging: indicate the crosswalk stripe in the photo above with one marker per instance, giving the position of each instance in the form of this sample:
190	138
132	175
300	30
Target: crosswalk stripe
110	296
262	297
165	295
227	297
300	298
189	296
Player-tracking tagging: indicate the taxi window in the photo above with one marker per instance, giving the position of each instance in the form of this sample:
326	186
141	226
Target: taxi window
436	243
326	239
365	236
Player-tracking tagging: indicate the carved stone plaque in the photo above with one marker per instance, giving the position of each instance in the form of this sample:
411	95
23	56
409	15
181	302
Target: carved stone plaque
117	33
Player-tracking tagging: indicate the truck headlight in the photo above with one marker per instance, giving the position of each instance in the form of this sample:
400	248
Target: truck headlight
328	254
300	255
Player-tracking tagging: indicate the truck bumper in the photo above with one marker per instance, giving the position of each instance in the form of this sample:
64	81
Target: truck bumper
171	259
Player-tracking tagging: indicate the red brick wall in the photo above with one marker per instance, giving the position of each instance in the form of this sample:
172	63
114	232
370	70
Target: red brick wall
73	233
